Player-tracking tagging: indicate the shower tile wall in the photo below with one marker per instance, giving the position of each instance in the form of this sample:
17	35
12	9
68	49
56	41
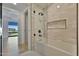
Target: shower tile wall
59	42
37	24
63	39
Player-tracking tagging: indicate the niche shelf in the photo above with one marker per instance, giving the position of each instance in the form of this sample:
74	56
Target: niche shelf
57	24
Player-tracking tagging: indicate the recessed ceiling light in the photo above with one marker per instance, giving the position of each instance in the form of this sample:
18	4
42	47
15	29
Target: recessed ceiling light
58	6
14	3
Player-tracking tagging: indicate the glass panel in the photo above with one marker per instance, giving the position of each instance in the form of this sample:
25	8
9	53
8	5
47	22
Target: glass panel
0	29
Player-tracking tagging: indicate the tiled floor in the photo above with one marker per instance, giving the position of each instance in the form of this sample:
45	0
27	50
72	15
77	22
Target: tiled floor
30	53
23	48
12	48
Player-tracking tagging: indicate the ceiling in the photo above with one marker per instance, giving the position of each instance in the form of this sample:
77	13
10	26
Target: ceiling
43	5
21	6
18	7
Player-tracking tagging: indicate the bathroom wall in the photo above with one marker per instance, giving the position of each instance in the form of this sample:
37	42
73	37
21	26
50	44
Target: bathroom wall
23	46
22	28
59	41
63	39
38	23
25	28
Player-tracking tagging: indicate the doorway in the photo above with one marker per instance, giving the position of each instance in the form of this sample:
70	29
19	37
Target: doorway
10	32
13	37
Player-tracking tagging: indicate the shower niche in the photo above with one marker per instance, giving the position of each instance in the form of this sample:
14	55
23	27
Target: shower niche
57	24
